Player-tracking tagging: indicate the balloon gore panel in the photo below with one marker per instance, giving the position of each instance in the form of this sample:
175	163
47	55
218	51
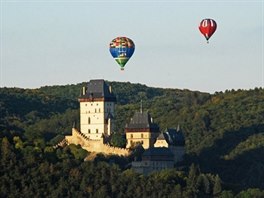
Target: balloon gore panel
207	27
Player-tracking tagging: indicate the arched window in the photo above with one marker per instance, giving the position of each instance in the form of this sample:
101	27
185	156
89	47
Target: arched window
89	120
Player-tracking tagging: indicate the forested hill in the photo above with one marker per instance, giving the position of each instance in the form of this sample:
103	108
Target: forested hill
224	131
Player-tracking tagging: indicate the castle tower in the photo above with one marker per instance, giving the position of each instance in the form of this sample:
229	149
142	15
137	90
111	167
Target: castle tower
174	140
97	104
141	129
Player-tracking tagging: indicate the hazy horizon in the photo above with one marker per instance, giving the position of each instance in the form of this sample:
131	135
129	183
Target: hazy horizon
67	42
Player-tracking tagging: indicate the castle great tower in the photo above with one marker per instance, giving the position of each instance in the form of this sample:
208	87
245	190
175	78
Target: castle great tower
97	104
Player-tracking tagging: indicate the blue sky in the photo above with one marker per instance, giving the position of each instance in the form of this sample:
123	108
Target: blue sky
66	42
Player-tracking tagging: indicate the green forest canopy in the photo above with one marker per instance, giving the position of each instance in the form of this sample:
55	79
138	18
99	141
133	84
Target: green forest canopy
223	131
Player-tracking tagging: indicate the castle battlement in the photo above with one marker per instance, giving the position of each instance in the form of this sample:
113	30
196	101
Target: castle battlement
97	146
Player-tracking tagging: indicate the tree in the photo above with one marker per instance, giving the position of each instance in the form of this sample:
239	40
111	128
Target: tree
7	154
251	192
217	185
118	140
5	150
192	180
18	143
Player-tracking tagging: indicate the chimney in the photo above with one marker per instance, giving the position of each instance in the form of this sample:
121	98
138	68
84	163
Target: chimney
84	90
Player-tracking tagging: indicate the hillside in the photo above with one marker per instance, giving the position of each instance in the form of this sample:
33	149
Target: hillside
224	131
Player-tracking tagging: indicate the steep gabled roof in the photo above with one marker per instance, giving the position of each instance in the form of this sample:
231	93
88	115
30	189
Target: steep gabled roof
174	137
109	116
161	137
142	120
98	89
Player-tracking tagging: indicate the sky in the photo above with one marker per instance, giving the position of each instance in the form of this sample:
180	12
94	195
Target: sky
53	42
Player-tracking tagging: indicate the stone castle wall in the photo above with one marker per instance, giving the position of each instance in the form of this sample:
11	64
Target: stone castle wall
178	152
97	146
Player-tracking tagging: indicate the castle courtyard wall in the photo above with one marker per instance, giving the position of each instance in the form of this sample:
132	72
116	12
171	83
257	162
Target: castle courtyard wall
97	146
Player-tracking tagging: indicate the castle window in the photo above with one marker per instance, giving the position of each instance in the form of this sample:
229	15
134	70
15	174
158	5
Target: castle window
131	135
89	120
99	110
96	130
142	135
89	130
95	110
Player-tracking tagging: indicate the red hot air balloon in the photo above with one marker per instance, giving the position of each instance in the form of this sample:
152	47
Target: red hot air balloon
207	27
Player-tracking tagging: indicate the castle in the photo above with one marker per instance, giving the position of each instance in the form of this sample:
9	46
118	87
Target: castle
97	104
97	113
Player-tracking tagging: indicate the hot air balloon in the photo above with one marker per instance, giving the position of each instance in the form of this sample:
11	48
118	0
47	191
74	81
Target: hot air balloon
122	48
207	27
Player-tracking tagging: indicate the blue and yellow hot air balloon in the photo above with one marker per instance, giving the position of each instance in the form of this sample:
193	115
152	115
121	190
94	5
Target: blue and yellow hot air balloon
122	48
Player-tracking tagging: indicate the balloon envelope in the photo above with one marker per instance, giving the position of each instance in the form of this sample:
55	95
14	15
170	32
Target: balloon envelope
207	27
122	48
